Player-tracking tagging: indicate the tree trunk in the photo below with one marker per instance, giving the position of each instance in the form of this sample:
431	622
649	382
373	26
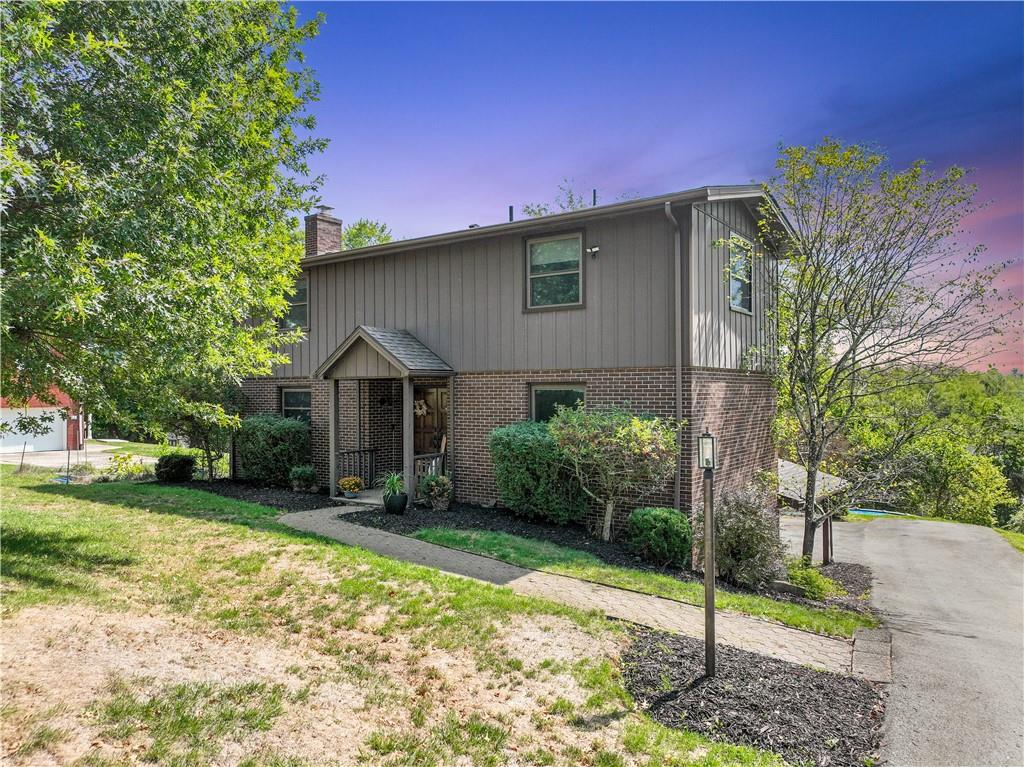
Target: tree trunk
807	550
609	510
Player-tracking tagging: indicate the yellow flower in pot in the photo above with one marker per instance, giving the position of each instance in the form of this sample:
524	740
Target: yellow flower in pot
351	486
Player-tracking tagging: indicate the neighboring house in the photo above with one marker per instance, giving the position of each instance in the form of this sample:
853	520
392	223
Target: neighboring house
67	427
418	344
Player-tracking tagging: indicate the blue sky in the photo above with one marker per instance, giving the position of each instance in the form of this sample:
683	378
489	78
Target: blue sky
442	115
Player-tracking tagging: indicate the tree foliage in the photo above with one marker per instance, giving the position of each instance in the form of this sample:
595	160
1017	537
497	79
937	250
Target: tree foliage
614	454
567	200
873	281
365	232
891	447
152	156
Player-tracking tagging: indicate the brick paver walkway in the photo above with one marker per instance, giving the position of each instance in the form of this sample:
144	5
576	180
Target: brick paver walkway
741	631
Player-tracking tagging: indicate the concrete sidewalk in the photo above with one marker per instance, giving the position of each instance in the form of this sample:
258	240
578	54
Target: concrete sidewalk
733	629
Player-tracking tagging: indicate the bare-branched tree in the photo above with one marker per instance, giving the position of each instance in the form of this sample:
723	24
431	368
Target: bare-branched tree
874	280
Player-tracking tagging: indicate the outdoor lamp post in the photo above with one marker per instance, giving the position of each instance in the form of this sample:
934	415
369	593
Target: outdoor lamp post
707	459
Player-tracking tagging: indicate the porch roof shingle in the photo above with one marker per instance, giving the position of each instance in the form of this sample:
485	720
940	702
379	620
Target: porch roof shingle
401	347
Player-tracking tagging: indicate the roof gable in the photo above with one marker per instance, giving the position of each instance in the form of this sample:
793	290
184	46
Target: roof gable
371	352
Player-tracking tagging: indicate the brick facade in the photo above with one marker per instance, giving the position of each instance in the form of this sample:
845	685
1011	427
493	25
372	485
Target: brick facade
736	406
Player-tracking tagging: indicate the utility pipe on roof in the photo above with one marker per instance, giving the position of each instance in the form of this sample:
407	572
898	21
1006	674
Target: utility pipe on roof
678	292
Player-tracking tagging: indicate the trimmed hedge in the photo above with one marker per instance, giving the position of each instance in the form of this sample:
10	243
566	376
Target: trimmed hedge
531	479
175	467
268	447
661	536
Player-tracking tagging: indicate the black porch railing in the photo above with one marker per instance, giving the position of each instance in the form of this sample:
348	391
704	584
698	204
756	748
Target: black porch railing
358	463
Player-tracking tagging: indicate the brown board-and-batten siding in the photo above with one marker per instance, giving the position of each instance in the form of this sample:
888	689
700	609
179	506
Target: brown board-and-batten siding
721	336
465	301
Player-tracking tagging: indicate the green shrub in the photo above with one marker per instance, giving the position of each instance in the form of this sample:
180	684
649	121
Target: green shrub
1016	522
531	479
124	466
302	476
269	446
175	467
661	536
810	578
748	551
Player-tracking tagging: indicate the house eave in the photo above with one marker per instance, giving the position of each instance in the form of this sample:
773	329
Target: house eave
701	194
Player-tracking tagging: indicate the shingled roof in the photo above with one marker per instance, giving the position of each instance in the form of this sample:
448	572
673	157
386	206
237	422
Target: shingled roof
793	482
400	347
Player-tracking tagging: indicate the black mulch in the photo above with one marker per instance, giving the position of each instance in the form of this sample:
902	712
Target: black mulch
276	497
467	517
806	716
855	578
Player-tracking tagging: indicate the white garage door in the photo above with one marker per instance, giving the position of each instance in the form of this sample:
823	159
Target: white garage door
54	440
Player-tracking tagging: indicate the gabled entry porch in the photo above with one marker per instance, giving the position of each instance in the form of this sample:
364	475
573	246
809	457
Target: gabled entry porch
390	407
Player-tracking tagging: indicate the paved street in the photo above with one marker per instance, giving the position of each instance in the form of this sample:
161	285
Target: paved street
953	596
98	456
742	631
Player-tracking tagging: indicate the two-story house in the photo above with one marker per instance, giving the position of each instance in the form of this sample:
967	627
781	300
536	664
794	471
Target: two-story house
421	346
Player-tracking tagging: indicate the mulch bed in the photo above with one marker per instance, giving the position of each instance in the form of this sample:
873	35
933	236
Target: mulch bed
281	498
806	716
467	517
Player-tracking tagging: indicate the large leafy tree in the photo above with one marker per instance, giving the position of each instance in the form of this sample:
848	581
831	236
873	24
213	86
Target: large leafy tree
153	155
874	281
364	233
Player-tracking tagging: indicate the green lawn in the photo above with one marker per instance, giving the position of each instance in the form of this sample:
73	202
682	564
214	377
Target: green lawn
226	569
542	555
147	449
1015	539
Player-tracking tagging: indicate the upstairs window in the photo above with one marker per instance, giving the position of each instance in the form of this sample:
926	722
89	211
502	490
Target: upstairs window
554	271
296	403
546	397
298	307
740	274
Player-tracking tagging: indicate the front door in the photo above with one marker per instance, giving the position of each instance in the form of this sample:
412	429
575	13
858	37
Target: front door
431	418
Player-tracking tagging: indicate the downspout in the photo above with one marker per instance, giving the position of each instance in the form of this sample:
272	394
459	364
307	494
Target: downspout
678	292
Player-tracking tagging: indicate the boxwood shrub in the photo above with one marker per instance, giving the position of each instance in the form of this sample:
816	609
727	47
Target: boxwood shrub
661	536
531	479
269	446
175	467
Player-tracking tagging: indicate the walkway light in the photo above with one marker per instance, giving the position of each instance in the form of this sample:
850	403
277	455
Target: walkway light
707	459
707	451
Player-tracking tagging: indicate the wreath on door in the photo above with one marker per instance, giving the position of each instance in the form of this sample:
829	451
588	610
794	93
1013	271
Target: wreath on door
419	408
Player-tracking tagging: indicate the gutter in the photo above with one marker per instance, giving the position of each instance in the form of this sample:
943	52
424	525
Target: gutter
678	293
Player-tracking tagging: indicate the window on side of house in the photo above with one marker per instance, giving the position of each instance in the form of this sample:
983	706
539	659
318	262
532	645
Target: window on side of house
296	403
740	276
546	397
554	271
297	315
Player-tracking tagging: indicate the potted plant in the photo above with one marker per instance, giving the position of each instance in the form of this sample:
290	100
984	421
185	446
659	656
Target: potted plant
395	497
351	486
437	489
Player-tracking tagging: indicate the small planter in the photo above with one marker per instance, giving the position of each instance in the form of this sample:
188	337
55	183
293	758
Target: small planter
396	503
351	495
440	504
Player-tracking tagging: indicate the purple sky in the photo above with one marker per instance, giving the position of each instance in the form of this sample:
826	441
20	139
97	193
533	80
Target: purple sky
442	115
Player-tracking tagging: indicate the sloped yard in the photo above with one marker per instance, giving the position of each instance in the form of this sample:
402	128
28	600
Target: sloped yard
164	624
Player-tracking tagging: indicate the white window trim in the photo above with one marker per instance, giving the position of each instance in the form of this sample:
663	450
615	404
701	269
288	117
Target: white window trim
305	326
750	268
296	388
534	388
578	271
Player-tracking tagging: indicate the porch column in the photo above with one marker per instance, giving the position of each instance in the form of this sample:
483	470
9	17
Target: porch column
408	430
333	436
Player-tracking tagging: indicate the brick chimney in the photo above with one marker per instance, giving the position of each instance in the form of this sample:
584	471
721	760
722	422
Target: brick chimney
323	232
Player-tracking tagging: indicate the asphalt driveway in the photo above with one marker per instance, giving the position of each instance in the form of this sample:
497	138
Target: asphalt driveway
953	596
